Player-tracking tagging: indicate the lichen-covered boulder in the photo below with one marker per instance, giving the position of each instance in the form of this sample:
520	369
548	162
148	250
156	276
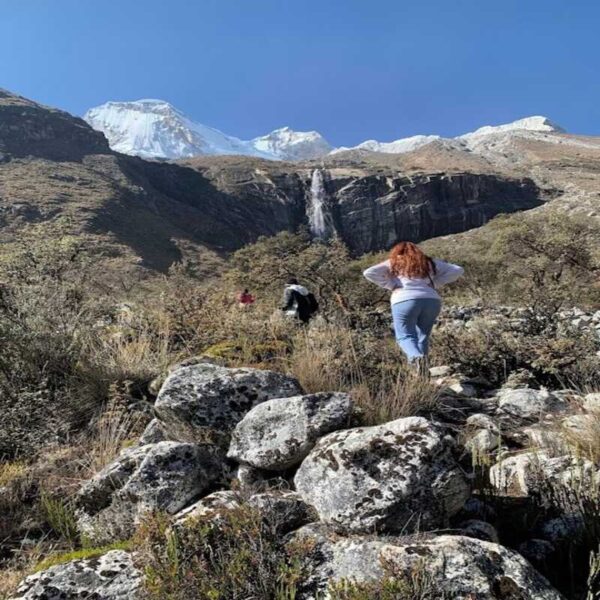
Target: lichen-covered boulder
399	476
452	566
521	474
96	493
528	405
279	433
112	576
165	476
202	399
171	475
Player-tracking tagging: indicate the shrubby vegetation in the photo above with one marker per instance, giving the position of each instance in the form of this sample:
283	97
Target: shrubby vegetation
77	355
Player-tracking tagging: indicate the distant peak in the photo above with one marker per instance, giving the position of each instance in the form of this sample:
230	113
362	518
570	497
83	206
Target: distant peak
533	123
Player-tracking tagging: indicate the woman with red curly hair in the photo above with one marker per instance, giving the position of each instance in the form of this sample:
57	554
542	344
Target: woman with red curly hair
413	277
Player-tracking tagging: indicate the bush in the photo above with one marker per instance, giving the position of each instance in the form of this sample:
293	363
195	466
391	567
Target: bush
236	557
539	259
415	585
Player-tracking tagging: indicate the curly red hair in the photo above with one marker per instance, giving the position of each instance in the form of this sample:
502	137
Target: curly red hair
408	260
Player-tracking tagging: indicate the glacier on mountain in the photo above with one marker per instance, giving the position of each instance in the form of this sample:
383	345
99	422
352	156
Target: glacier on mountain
156	129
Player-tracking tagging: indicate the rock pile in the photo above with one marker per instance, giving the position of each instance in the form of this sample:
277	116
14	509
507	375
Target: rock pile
356	492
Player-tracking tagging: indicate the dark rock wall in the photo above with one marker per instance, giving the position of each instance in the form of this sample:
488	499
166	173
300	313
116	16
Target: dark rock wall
369	211
373	212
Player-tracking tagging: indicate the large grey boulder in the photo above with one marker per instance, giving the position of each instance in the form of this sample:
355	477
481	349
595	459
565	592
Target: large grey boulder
279	433
165	476
528	405
399	476
112	576
453	566
202	399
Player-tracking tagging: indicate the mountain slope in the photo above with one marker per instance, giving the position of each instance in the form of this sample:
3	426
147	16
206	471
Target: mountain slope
58	178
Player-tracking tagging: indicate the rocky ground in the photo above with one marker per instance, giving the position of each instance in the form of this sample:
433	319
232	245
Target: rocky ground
476	492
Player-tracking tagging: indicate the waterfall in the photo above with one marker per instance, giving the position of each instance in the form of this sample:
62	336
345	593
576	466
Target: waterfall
316	208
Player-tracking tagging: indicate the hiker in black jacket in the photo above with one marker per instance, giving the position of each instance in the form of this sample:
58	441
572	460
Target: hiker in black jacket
298	301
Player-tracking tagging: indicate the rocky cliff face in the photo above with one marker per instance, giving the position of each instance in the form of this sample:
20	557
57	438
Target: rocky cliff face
369	209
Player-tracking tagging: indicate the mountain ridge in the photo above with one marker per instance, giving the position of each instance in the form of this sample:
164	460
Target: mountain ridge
152	128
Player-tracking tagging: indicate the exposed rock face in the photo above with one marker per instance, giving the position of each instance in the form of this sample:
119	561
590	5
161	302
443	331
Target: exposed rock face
204	398
27	128
370	211
374	212
278	434
399	476
109	577
458	566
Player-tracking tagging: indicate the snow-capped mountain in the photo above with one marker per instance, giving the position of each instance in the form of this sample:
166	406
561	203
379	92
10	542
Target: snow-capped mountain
536	123
156	129
529	126
292	145
396	147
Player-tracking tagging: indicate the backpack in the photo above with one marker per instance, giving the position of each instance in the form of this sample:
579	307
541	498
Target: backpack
312	303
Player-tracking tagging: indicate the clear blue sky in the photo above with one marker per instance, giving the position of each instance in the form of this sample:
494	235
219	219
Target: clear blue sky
351	69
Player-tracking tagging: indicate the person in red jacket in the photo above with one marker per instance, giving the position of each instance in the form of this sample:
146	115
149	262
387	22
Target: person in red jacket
246	299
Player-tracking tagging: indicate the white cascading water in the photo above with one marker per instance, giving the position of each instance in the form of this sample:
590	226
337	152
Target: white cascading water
316	208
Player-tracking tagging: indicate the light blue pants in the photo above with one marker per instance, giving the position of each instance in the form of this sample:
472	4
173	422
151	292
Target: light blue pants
413	322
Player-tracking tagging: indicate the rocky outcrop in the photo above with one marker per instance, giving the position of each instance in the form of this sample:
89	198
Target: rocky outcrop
29	129
205	399
449	566
278	434
112	576
400	476
370	209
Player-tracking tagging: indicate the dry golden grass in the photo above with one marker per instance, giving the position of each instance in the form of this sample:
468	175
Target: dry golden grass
114	429
400	394
332	358
585	438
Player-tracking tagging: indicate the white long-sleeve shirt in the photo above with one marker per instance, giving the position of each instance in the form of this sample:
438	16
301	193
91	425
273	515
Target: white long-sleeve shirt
406	288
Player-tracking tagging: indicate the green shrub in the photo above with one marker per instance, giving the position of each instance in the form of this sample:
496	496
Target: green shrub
414	585
238	556
60	517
